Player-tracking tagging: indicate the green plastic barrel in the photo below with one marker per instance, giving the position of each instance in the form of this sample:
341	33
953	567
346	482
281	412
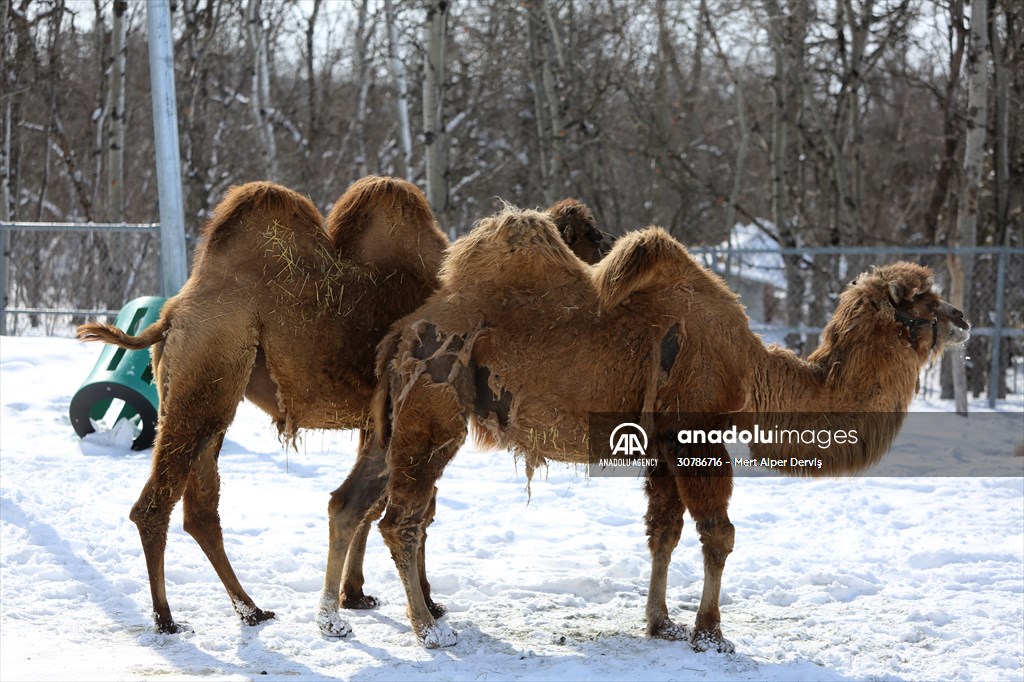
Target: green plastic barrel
121	386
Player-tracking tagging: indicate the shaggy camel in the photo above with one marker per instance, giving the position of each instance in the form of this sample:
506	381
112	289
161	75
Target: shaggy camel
287	314
524	342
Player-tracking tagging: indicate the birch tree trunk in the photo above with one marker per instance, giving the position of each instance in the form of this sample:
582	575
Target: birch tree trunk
434	138
398	75
974	159
551	128
104	70
260	96
115	163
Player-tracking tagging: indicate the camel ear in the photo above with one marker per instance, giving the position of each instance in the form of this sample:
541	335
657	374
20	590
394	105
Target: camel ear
896	293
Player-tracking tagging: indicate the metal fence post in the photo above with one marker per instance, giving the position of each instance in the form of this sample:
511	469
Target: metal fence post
5	239
173	261
997	331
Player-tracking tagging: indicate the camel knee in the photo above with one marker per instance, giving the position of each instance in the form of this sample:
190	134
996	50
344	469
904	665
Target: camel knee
401	533
351	504
199	526
718	539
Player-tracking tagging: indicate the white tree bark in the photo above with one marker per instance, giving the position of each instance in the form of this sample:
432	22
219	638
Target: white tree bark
402	85
434	137
115	164
974	159
260	97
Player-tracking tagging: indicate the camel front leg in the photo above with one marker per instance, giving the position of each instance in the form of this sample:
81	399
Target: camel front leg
437	610
349	511
352	580
664	521
202	522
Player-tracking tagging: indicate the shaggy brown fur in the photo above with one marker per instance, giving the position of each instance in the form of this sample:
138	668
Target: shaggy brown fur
288	314
525	343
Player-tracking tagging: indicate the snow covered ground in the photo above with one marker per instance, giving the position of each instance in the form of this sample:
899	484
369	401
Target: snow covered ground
891	578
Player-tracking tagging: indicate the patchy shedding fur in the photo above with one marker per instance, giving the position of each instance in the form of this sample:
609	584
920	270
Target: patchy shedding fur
287	312
647	330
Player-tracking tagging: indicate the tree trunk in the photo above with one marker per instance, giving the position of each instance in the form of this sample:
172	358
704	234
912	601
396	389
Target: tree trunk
260	96
402	85
548	106
974	159
313	127
434	137
777	168
115	166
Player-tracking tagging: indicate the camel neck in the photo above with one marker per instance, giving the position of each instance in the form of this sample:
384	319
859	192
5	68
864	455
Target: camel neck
874	377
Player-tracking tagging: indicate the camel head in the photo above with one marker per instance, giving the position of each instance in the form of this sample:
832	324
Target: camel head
902	299
576	224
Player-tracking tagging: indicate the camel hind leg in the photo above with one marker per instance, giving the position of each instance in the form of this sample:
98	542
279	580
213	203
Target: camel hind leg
202	522
352	581
428	431
201	382
706	494
664	521
349	513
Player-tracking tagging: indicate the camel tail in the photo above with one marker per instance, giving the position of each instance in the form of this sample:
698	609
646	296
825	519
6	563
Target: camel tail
371	196
634	264
482	436
108	333
380	403
267	198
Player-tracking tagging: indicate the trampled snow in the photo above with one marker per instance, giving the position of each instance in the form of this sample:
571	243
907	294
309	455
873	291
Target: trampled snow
892	578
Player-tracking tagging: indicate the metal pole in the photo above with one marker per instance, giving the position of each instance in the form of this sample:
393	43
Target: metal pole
5	240
173	262
997	331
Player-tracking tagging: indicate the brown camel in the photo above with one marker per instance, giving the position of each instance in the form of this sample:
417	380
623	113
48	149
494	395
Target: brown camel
524	341
286	313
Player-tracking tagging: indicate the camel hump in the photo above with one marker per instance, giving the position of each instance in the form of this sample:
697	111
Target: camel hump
381	219
267	198
637	261
515	246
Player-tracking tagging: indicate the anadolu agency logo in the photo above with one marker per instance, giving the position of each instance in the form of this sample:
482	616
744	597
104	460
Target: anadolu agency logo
628	440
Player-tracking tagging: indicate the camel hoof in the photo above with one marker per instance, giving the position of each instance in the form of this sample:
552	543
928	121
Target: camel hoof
437	610
712	640
671	631
360	602
331	624
255	616
437	636
173	628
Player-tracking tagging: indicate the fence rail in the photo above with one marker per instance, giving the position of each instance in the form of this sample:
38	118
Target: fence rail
757	274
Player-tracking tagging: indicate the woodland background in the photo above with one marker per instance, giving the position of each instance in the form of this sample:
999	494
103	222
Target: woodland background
829	123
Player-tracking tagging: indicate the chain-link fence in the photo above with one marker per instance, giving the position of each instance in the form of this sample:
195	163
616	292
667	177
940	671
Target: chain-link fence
56	276
994	301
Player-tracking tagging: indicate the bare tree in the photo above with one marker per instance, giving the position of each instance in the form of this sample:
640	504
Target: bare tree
260	90
115	167
974	158
398	75
434	136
